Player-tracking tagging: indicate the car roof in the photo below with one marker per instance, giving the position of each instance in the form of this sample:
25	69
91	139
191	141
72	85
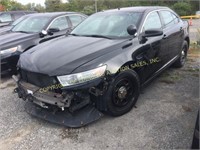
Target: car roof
21	11
52	14
138	9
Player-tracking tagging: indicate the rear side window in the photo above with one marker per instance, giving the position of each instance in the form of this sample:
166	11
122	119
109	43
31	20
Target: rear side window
5	17
152	22
167	18
75	20
60	23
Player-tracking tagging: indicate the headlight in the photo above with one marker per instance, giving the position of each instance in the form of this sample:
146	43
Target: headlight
10	50
78	78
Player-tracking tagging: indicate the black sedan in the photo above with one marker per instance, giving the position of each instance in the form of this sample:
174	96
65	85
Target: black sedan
6	29
7	17
35	29
102	65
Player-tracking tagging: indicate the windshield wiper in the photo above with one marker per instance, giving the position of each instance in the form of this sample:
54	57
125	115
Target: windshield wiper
22	31
94	35
75	34
98	36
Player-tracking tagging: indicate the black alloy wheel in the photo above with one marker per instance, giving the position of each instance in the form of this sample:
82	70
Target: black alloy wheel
183	55
180	62
122	93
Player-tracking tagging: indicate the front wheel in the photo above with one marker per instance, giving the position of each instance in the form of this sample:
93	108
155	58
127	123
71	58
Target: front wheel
122	93
182	58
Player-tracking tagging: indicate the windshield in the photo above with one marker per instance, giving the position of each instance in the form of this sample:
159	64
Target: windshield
112	25
5	17
32	25
18	20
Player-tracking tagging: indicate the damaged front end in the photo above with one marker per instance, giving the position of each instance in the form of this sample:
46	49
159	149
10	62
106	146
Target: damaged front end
73	106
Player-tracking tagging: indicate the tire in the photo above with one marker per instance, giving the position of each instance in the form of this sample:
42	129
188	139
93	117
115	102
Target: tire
122	93
183	55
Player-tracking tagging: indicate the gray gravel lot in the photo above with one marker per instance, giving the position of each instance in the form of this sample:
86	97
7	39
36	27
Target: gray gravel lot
164	119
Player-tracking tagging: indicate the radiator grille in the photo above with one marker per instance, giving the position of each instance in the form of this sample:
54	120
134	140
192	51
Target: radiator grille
40	80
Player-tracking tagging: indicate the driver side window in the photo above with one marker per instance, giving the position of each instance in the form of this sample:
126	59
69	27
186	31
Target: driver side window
60	23
152	22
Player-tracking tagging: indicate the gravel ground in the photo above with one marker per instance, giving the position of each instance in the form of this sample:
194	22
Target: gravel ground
164	119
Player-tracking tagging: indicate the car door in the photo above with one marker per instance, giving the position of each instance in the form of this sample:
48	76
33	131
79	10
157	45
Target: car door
152	49
60	23
173	33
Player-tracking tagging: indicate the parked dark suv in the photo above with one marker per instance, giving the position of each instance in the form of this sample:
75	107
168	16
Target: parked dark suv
102	65
8	17
35	29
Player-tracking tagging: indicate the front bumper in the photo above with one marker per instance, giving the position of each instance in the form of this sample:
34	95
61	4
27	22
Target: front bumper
78	119
9	62
47	106
32	93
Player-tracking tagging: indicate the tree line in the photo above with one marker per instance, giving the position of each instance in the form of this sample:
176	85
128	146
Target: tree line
182	7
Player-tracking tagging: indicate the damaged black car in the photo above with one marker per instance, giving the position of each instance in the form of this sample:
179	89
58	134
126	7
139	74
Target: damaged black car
101	66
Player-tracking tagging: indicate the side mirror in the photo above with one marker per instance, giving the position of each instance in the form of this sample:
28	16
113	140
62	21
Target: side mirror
43	33
69	31
132	29
53	30
153	32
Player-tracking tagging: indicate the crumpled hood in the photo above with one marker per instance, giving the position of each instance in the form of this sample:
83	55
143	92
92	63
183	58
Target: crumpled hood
14	38
63	55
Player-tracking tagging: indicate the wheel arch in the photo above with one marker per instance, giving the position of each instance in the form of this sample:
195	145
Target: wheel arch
29	47
126	66
187	39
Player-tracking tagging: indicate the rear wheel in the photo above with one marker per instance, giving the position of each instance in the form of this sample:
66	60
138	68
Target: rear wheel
122	93
183	56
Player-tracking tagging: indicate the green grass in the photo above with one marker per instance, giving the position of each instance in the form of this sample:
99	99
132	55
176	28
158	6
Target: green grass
170	78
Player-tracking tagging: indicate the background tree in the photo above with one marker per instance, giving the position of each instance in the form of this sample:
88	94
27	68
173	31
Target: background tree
2	8
6	4
182	8
16	6
39	8
11	5
53	5
34	7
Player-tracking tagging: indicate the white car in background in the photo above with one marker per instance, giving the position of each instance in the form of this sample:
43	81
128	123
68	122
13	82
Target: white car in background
198	14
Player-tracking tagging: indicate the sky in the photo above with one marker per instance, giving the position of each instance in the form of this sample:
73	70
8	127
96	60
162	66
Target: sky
31	1
34	1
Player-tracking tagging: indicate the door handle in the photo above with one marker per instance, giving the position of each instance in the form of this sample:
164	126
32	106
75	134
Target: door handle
143	56
164	36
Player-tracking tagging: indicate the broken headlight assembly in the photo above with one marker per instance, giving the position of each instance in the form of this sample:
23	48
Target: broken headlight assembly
74	79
